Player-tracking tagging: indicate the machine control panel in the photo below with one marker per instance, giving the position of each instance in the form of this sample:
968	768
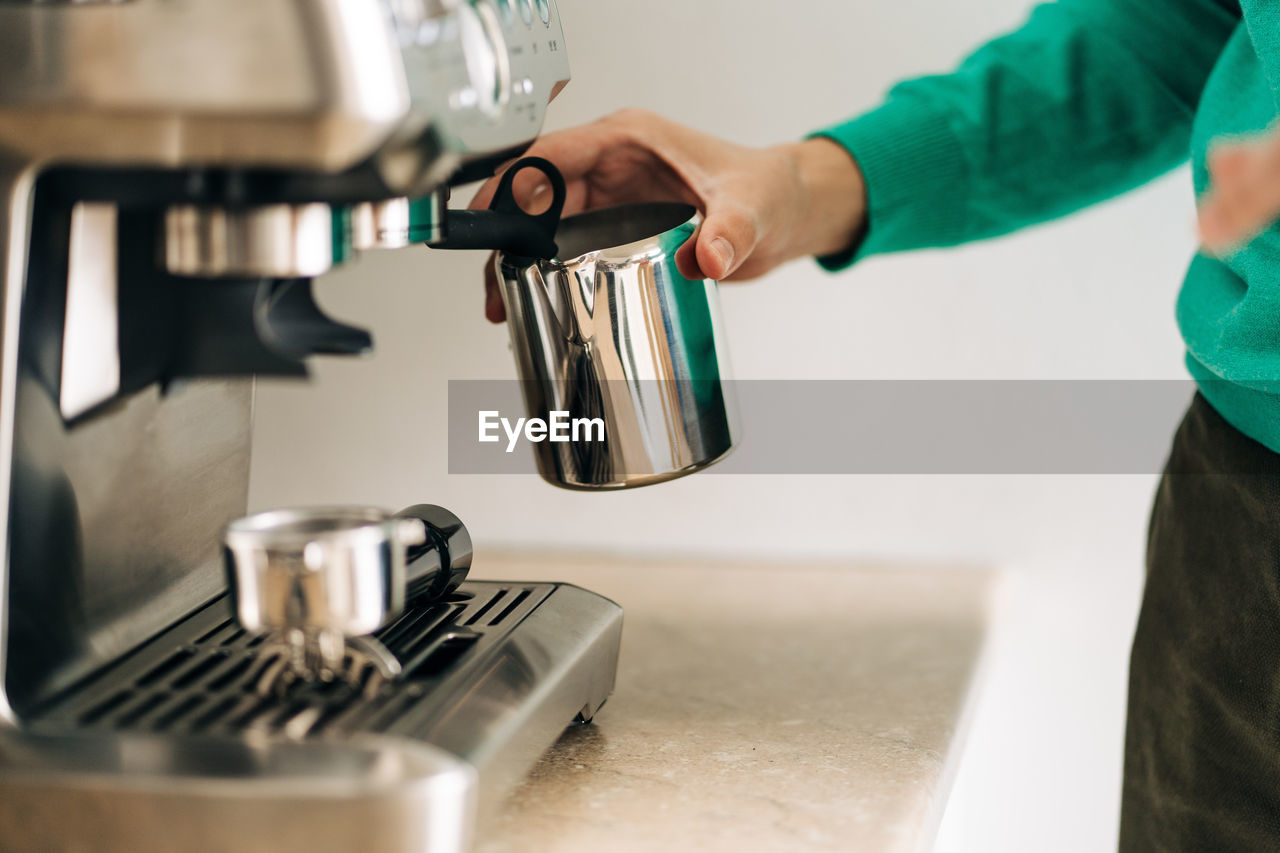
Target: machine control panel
481	71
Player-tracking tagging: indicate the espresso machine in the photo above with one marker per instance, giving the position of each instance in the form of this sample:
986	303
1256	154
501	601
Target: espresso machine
173	176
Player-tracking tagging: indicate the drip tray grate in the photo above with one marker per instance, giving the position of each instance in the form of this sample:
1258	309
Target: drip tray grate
200	675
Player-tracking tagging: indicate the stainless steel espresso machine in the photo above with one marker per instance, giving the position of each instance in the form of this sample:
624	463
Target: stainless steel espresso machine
173	175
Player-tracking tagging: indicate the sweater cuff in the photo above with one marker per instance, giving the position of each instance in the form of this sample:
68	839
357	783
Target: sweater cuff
916	178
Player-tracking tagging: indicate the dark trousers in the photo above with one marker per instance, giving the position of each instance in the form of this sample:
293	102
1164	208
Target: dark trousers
1202	746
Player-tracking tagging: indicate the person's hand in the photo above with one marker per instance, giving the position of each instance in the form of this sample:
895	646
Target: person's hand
1244	191
761	206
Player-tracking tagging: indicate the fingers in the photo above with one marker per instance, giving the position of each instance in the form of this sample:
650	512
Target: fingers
726	239
687	260
719	247
634	156
1245	192
574	152
629	155
494	310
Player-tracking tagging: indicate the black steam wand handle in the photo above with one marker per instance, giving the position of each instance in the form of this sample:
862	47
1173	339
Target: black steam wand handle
506	226
436	567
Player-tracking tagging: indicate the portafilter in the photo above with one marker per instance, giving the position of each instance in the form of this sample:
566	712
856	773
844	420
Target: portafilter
320	581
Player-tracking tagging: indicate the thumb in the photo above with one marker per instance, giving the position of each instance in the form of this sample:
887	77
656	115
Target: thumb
725	240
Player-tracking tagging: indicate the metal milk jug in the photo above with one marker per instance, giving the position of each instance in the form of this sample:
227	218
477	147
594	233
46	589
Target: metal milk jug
617	346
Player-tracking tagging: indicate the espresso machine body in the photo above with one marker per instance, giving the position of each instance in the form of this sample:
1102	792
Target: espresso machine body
173	173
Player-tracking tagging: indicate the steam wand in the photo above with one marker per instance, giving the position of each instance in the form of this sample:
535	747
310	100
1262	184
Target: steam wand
506	226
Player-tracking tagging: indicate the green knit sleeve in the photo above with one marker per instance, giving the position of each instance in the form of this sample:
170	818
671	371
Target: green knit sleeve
1087	99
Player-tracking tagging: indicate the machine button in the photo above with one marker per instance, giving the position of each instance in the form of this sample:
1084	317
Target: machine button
544	12
526	11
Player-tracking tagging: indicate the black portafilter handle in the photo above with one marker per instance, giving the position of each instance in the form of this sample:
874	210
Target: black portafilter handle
506	226
439	565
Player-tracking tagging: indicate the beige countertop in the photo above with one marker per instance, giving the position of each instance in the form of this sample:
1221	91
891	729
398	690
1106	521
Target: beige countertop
759	707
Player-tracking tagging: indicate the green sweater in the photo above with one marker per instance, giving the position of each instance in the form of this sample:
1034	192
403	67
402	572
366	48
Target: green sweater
1087	100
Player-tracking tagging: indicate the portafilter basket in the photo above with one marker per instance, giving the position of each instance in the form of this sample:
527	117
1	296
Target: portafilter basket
321	580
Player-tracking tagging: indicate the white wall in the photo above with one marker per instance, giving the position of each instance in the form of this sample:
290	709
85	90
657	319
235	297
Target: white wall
1091	297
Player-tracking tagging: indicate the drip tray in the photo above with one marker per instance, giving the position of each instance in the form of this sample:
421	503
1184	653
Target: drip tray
173	737
200	676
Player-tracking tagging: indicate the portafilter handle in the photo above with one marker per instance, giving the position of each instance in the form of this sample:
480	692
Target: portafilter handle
440	564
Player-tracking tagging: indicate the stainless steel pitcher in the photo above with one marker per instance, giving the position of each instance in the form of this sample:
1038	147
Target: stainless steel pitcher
610	333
